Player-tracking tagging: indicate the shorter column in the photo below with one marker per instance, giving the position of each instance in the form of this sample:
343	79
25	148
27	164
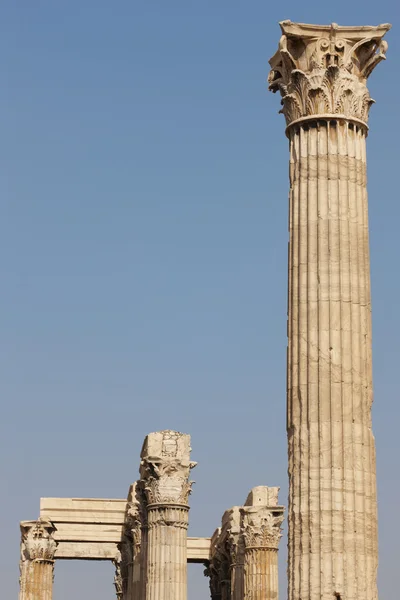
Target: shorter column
235	552
261	525
118	578
164	471
218	572
38	547
135	523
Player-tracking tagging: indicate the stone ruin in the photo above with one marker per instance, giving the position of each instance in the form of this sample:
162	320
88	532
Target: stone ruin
321	74
145	536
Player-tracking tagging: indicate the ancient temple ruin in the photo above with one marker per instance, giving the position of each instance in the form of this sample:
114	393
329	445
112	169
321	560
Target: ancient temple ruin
321	73
145	536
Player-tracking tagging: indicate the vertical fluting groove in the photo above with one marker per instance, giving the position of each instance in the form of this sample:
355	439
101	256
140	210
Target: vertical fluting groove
290	369
369	469
325	372
328	350
296	394
296	407
317	534
347	368
355	353
303	361
294	565
363	582
312	367
344	290
372	464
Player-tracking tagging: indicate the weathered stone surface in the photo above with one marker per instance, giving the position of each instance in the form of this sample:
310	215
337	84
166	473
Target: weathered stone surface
243	553
322	70
321	73
145	536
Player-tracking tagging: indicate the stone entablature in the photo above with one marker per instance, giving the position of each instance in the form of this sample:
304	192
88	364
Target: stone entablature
321	71
93	528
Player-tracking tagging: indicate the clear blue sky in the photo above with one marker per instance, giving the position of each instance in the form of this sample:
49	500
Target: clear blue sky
143	236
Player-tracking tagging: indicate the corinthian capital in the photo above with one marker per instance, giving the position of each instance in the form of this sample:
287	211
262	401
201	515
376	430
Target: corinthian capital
323	69
262	526
165	467
38	541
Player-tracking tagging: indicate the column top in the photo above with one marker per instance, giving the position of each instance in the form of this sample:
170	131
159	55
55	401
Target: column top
165	467
322	70
38	541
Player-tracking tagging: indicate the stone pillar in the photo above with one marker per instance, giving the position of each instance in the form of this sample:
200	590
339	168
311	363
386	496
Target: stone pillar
261	527
118	577
165	469
218	572
135	552
213	568
321	73
235	552
37	560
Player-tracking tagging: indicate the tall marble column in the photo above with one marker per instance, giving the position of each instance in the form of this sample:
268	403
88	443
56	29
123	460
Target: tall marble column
321	73
38	547
261	528
165	469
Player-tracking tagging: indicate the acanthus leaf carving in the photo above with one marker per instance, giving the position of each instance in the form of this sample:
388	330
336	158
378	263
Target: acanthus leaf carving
322	70
165	468
38	541
262	527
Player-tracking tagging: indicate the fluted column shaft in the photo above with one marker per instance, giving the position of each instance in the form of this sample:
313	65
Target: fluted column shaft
37	580
237	580
167	552
261	574
332	488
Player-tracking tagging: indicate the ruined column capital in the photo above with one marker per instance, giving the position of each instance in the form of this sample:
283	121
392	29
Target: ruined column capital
165	468
261	526
322	70
38	541
136	517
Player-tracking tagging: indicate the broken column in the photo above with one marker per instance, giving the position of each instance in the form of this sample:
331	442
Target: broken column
164	471
38	547
321	73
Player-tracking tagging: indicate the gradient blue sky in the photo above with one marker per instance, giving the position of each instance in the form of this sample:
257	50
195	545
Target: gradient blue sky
143	238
